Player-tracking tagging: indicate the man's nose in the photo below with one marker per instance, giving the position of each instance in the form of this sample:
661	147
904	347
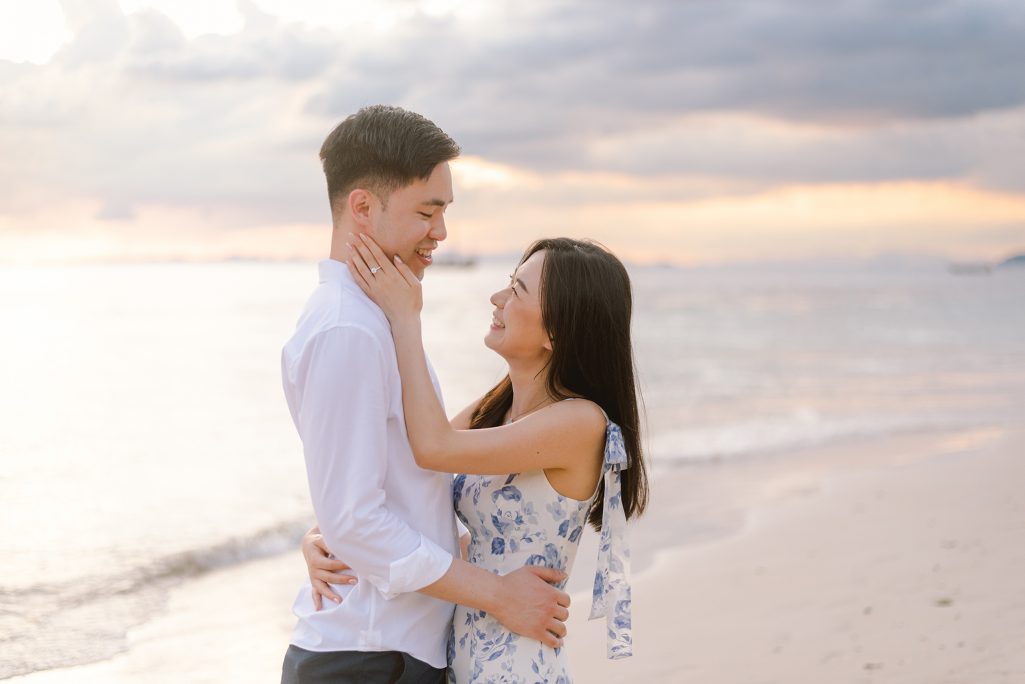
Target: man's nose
438	230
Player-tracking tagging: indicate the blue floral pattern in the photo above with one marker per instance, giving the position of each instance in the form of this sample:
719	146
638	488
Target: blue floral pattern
519	519
612	578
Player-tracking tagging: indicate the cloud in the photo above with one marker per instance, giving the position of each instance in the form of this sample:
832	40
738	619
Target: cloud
852	66
262	50
154	119
99	28
981	149
653	101
547	90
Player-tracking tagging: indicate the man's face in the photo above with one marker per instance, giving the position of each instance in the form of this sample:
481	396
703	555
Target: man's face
412	221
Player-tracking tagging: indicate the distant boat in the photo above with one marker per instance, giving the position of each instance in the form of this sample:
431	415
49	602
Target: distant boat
455	260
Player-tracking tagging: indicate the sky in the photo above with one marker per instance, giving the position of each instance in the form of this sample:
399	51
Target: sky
680	131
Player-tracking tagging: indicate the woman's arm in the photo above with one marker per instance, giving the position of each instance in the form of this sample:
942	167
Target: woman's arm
523	600
555	437
461	421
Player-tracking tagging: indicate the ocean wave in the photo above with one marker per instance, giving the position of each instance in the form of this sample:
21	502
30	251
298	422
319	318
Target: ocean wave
800	430
61	623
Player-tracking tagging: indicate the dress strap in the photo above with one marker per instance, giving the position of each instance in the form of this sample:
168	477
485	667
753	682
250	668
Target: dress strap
611	595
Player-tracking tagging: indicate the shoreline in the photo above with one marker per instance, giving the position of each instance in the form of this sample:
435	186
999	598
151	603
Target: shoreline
705	522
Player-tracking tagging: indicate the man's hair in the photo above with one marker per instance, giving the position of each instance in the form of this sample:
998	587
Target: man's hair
382	149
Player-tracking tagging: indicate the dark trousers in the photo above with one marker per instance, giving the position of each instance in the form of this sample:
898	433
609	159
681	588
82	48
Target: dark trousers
356	667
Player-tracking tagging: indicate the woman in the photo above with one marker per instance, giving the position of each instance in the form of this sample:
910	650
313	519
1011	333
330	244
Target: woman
553	445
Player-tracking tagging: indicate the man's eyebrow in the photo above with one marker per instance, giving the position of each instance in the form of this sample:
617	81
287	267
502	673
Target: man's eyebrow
436	202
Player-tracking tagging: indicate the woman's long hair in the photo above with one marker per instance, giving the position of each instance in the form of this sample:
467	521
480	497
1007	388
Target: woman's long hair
586	305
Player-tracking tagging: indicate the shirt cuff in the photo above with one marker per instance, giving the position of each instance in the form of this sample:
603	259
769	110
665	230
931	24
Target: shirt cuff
425	565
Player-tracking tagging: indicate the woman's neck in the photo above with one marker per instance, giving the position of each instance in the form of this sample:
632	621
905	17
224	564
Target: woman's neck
529	390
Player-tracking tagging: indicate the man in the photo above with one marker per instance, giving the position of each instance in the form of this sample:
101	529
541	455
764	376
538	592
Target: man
393	523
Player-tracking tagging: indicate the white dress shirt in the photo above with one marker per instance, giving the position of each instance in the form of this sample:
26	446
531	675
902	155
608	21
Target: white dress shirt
390	520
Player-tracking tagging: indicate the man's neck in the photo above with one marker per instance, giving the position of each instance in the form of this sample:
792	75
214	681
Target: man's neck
339	238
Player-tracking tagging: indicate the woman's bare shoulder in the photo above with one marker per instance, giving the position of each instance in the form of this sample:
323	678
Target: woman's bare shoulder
580	414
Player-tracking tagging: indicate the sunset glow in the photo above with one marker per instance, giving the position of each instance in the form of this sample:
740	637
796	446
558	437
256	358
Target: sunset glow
145	129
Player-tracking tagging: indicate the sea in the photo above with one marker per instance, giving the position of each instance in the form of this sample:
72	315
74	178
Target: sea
145	441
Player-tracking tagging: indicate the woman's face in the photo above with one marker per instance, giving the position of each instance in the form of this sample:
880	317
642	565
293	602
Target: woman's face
517	331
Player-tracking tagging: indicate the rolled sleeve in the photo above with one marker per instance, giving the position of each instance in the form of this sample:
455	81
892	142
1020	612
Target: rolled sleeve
424	566
343	424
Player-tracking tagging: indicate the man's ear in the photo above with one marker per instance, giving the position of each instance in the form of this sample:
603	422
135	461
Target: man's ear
359	205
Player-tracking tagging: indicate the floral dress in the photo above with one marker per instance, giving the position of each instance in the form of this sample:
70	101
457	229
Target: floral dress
519	519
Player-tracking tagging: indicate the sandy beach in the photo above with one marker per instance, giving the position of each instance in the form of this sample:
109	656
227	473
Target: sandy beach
881	561
899	573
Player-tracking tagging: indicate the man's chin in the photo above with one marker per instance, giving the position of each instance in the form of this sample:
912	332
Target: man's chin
417	268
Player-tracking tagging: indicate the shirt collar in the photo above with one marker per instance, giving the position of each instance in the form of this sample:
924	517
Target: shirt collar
334	271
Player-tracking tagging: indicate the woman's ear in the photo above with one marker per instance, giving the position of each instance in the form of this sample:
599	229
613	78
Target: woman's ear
547	345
